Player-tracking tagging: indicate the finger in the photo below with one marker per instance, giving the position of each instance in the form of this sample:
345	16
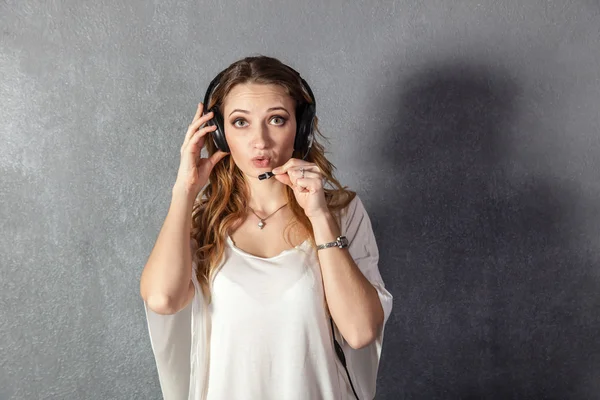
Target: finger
309	185
313	168
218	156
193	128
294	163
297	174
285	179
200	121
308	174
198	111
197	136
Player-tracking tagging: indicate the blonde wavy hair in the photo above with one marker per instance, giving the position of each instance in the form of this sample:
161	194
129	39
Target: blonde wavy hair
222	203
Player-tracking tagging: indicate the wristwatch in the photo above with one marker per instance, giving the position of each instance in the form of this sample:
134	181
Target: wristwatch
341	242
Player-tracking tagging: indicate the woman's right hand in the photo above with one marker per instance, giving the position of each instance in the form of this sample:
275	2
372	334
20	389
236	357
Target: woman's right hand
194	170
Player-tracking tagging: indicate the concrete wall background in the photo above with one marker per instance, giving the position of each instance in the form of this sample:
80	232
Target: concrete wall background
470	130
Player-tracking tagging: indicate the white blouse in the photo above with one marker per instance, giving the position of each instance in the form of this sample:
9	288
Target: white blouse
266	334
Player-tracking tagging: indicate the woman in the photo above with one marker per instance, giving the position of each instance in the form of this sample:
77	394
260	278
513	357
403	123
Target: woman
240	299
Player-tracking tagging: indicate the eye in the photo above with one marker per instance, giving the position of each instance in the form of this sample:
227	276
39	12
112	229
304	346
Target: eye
237	125
278	120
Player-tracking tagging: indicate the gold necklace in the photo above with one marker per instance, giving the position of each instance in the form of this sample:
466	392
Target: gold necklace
261	222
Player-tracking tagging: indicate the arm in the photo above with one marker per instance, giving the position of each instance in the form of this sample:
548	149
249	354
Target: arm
354	302
166	281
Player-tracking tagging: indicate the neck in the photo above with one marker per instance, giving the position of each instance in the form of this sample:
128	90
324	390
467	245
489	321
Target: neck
266	196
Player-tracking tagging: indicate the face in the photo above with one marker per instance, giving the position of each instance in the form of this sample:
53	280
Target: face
260	126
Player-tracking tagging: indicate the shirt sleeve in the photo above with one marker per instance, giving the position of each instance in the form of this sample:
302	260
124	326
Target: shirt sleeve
171	338
363	363
171	344
356	225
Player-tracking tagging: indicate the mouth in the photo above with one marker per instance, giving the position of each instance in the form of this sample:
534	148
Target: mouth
261	161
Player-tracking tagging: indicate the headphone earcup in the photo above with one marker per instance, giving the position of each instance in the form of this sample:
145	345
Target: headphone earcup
218	134
304	128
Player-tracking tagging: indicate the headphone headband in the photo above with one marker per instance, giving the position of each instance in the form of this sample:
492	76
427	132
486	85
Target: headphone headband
211	88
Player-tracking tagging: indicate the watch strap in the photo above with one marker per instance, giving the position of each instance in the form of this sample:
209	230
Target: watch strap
340	242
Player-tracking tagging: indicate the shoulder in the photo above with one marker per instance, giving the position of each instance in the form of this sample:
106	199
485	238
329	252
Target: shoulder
356	226
354	212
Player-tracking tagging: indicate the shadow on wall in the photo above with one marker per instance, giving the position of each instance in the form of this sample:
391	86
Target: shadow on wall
493	297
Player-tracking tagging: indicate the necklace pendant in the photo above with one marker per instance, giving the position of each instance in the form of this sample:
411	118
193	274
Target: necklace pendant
261	224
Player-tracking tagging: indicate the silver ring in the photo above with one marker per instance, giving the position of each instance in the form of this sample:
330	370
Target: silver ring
302	171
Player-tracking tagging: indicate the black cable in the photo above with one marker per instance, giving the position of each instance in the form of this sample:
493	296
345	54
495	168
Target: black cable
341	356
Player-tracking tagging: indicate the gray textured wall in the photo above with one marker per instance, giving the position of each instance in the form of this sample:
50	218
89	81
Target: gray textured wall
470	129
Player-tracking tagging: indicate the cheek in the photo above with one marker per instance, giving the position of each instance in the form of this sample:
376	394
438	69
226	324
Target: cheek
287	140
236	147
235	141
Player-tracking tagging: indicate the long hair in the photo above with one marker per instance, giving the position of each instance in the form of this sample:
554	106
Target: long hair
222	203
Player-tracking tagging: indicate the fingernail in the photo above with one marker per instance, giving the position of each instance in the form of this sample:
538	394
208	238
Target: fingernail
276	170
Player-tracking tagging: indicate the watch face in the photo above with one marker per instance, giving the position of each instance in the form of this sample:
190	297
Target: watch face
344	241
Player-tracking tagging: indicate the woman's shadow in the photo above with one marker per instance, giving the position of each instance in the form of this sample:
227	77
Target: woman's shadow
494	296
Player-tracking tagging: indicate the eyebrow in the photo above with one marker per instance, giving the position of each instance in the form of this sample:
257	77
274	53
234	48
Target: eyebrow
269	110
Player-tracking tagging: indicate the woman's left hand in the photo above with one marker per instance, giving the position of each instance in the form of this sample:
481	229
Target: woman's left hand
306	179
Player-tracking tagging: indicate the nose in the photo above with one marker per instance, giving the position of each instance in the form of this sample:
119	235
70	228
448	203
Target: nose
260	136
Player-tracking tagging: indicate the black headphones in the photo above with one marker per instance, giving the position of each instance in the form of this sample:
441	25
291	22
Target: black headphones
305	117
